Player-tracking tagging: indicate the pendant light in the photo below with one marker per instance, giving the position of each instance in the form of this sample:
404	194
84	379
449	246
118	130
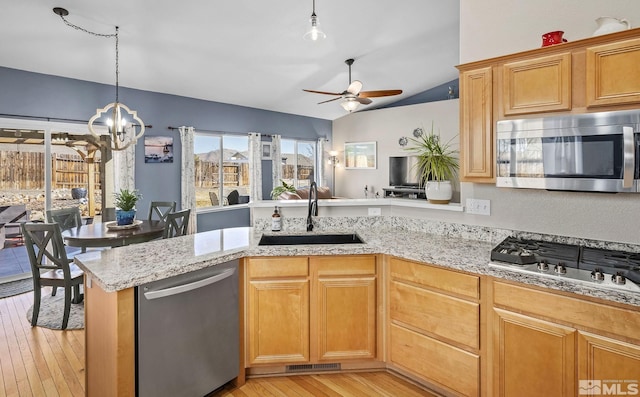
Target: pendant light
314	33
123	134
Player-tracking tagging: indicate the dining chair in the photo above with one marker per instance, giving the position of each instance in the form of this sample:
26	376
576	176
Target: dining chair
46	251
161	209
233	198
176	224
67	218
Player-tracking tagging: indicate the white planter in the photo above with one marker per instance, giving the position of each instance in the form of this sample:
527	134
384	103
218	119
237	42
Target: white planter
439	192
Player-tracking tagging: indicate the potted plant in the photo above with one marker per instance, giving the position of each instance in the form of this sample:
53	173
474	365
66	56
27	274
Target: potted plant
437	164
278	190
125	202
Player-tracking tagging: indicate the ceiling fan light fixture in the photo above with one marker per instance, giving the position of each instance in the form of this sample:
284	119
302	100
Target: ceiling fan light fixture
314	33
350	104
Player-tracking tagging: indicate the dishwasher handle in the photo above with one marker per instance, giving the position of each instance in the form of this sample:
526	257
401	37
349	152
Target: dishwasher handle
179	289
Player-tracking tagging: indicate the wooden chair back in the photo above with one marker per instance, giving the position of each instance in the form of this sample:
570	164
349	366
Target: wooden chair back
176	224
67	218
161	209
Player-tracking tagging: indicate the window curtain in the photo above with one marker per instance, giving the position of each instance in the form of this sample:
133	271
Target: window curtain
276	160
255	166
322	180
124	164
188	186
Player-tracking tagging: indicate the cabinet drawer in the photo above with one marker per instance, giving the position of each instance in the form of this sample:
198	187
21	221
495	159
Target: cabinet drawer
574	311
278	267
442	364
345	265
433	277
455	319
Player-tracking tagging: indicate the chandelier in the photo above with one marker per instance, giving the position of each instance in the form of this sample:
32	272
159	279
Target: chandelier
122	133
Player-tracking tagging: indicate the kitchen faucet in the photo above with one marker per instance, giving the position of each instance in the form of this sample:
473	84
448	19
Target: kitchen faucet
313	205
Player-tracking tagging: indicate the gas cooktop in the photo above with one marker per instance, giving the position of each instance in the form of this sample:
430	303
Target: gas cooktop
617	270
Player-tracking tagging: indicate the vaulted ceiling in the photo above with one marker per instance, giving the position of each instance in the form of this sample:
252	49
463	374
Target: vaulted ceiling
243	52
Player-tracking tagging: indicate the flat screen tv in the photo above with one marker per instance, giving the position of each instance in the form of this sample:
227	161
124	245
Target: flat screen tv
403	171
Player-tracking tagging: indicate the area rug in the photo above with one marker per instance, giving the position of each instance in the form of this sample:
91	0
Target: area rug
16	287
52	309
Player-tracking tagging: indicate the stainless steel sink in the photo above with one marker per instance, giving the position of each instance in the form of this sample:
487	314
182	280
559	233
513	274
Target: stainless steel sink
303	239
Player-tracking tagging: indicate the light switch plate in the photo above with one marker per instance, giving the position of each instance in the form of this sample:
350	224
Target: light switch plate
375	212
478	207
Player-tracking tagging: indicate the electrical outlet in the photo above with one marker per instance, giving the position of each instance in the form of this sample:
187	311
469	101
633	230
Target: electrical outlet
478	207
375	212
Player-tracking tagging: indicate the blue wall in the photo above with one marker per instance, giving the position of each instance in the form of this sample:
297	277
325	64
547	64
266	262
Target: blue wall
35	95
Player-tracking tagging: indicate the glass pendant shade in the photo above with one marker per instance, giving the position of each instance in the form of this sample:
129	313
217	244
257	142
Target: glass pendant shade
314	33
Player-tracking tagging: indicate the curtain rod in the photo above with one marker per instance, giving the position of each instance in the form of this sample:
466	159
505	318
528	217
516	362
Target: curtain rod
46	118
242	133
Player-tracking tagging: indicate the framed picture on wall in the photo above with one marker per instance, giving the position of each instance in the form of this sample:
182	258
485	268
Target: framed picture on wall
266	150
158	149
358	155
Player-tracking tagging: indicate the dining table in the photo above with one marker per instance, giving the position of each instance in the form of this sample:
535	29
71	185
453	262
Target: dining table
109	234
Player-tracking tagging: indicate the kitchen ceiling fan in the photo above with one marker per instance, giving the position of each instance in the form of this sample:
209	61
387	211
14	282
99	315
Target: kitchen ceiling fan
353	96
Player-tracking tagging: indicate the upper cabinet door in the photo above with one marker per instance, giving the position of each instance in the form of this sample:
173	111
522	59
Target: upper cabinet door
476	125
613	73
537	85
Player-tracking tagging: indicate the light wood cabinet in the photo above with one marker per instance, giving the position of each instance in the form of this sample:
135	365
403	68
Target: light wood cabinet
613	74
595	74
476	125
345	305
278	310
311	309
434	325
537	85
547	343
601	358
532	357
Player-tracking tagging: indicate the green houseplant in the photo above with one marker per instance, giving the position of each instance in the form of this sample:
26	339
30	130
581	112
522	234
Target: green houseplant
437	165
278	190
125	201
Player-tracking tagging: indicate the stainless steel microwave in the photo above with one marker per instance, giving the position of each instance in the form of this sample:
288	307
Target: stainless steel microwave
594	152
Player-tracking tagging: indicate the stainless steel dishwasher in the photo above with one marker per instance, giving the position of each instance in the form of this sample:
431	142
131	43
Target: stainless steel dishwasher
187	333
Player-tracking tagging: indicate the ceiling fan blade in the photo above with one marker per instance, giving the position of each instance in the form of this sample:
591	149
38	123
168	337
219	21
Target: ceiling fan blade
323	92
329	100
364	101
373	94
355	87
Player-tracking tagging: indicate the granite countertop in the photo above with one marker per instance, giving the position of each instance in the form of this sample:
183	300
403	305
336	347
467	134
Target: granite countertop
125	267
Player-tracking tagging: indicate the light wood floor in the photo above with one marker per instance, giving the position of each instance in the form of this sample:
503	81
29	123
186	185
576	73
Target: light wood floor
42	362
359	384
37	361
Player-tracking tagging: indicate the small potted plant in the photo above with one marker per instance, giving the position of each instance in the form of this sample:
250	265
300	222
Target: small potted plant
278	190
125	202
437	164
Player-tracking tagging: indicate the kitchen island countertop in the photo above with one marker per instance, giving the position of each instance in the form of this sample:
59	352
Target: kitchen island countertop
130	266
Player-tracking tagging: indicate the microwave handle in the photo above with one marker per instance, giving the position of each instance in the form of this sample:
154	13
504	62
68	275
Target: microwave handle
628	149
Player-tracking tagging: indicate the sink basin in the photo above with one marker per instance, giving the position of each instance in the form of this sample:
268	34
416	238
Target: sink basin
303	239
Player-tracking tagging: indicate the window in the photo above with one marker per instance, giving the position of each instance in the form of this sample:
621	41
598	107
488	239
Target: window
221	167
298	162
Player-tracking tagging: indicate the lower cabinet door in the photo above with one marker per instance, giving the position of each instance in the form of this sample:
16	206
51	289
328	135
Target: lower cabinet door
346	310
607	366
532	357
278	321
444	365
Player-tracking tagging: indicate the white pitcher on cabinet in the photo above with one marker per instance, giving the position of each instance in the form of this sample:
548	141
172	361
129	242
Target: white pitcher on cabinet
610	25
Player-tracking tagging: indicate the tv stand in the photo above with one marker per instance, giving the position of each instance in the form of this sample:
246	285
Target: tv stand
410	192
